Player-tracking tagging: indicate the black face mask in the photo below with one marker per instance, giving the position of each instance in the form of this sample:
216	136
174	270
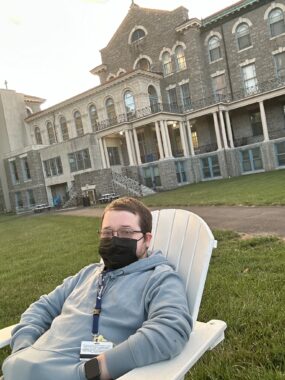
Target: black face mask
118	252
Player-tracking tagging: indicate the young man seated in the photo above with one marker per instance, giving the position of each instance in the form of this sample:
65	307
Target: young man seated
109	318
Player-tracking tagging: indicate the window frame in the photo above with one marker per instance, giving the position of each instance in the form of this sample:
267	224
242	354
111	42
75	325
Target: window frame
167	63
214	51
250	160
273	25
64	128
249	90
78	123
180	60
211	167
241	36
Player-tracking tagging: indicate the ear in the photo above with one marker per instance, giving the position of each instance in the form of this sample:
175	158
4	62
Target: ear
147	238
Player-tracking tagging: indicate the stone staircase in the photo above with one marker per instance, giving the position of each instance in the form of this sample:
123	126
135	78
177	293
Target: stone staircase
127	186
73	198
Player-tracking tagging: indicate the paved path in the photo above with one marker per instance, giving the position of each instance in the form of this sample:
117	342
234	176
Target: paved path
249	220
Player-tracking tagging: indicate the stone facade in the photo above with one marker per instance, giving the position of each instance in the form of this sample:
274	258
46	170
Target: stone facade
181	100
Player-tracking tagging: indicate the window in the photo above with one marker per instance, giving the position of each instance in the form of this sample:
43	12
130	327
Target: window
19	200
64	129
167	64
219	87
172	100
138	34
256	124
214	47
153	99
111	113
14	172
143	64
195	141
251	160
114	157
280	65
243	36
38	136
152	177
280	153
25	169
276	22
180	58
249	79
53	167
210	167
130	105
51	133
93	116
180	172
30	198
185	95
78	124
79	160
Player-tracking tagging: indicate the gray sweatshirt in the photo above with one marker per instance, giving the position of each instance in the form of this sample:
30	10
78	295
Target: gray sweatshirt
144	313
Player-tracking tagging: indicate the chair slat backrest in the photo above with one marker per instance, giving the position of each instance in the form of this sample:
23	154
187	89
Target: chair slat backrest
187	242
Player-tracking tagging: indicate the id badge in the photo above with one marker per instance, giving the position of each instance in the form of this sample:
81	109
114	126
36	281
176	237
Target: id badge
91	349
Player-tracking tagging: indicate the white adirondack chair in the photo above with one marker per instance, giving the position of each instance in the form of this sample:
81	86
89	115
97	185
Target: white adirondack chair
187	242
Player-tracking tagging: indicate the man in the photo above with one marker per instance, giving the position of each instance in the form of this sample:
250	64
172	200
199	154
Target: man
130	311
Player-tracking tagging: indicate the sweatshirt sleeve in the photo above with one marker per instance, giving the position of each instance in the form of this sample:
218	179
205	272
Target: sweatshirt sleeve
165	331
40	314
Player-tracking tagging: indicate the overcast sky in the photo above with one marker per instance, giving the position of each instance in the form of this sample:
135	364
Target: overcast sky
48	47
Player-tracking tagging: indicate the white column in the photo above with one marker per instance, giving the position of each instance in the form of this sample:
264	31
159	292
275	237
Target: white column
129	148
225	140
183	139
164	140
192	151
263	121
106	153
102	153
158	137
229	129
137	148
218	136
167	138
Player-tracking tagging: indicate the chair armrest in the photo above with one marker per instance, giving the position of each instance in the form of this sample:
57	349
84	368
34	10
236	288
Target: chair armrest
204	336
5	336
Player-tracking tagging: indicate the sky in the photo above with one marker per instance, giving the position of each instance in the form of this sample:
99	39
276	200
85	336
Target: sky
48	47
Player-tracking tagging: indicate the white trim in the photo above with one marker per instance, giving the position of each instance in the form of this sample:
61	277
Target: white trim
170	87
141	56
247	62
212	34
241	20
121	71
183	82
279	50
23	155
272	6
12	159
111	75
133	30
164	50
178	43
218	73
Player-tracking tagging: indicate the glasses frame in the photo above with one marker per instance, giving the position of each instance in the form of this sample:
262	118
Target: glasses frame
132	232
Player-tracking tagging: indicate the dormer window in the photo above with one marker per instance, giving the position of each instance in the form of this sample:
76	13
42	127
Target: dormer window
137	35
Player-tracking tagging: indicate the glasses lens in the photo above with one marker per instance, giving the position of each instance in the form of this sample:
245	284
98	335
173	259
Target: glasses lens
106	234
125	233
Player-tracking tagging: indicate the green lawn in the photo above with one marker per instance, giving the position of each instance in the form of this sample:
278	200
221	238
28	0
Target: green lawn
245	287
255	189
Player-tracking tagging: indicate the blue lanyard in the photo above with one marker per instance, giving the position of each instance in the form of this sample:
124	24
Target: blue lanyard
97	309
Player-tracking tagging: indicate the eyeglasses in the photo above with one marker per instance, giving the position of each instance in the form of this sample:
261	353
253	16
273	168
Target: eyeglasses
123	232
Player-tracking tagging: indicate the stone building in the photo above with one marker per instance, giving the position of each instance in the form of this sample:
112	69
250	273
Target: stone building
180	100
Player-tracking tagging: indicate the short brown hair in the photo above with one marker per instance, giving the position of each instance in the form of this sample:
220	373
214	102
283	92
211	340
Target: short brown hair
134	206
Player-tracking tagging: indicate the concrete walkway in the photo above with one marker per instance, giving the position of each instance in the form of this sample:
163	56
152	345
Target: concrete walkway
248	220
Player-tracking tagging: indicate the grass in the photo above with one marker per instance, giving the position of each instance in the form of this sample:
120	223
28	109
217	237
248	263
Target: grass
245	287
263	189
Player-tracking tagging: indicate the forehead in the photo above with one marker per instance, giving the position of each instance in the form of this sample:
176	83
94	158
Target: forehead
116	219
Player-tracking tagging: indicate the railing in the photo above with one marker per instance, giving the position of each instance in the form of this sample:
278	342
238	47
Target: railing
276	134
206	148
194	105
248	140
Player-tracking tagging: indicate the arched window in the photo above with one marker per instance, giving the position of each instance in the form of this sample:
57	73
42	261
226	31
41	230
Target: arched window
38	136
143	64
153	99
276	22
130	104
64	129
243	36
29	111
167	64
214	47
180	58
93	117
138	34
51	133
78	123
111	113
